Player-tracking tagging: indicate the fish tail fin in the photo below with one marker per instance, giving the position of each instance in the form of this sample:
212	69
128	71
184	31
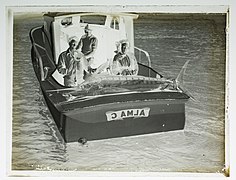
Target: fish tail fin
180	80
180	77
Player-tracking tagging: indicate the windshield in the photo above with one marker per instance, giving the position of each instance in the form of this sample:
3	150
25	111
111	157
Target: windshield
93	19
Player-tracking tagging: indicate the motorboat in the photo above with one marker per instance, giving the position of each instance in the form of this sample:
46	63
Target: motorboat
105	105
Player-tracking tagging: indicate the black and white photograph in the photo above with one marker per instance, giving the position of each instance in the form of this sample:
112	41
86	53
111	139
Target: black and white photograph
124	89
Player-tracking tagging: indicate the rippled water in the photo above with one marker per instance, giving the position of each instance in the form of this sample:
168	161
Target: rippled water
37	144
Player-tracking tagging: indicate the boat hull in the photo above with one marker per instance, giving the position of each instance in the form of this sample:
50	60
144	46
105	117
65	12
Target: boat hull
92	122
156	123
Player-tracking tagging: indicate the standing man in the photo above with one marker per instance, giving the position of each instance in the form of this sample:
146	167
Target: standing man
71	64
88	45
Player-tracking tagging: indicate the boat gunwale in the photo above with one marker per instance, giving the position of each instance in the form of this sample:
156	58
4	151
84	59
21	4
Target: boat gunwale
68	105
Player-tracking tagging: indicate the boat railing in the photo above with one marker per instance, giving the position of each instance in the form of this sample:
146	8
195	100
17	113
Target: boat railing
43	70
141	60
140	52
39	62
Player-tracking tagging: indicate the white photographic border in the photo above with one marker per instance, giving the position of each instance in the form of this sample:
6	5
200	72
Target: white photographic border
9	8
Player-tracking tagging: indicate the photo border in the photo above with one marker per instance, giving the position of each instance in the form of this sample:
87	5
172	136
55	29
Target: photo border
10	10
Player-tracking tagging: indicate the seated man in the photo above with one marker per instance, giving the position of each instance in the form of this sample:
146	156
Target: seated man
71	64
124	63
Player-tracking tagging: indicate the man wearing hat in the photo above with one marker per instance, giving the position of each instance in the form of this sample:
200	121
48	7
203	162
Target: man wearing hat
71	64
88	45
124	62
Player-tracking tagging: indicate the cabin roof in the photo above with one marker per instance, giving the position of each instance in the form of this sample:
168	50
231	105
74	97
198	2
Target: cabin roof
69	14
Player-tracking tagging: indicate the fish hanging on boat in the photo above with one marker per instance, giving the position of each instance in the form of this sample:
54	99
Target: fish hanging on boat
102	83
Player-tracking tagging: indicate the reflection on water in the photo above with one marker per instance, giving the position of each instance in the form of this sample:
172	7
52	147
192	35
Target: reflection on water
37	144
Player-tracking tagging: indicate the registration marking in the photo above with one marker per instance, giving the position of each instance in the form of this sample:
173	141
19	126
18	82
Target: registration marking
127	113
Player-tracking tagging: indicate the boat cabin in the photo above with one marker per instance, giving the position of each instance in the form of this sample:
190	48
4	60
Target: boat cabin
109	29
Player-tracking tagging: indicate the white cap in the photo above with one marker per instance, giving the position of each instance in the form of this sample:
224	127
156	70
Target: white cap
73	38
124	41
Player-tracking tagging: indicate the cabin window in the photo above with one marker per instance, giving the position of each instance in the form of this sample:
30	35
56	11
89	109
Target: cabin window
93	19
115	23
66	21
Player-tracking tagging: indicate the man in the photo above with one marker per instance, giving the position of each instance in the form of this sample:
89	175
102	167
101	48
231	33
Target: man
88	45
124	62
71	64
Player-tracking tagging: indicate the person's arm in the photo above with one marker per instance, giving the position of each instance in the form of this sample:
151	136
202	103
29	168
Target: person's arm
80	44
94	44
115	67
61	66
133	64
83	63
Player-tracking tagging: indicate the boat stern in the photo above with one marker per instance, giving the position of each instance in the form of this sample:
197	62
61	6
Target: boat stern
123	119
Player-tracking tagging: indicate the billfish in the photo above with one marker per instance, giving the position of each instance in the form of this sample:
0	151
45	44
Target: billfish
99	84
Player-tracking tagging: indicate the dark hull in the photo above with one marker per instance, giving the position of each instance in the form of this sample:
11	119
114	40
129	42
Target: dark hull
91	122
87	118
156	122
